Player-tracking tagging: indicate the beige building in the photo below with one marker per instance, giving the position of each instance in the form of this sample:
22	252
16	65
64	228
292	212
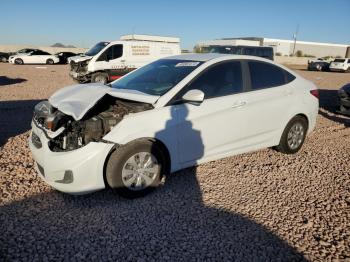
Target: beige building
285	47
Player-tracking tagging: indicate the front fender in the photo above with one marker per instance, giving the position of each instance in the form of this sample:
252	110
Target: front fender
159	123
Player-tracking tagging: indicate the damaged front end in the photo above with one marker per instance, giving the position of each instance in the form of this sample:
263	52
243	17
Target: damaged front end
66	134
79	71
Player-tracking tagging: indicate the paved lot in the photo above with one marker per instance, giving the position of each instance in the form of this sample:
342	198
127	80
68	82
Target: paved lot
259	206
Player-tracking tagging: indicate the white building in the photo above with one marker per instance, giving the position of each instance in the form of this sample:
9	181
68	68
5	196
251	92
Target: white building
284	47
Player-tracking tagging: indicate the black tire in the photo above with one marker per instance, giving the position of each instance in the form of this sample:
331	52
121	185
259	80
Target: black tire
18	61
99	78
49	62
284	146
118	159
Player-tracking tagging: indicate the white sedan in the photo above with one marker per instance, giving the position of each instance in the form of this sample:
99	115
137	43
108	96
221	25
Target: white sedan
34	57
168	115
340	65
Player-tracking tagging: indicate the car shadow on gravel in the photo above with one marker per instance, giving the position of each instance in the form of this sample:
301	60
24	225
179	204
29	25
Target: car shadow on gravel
170	224
329	102
15	118
4	81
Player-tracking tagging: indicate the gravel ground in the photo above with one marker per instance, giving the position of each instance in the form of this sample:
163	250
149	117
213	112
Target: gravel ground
260	206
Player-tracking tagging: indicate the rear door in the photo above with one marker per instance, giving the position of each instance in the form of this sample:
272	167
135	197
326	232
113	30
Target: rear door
267	102
39	57
43	57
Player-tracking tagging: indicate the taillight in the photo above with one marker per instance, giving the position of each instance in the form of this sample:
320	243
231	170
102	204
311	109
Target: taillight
315	93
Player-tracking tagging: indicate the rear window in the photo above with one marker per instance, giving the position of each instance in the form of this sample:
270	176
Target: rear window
339	60
265	75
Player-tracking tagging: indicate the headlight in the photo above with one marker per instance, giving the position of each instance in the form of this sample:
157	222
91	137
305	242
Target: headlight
54	121
43	109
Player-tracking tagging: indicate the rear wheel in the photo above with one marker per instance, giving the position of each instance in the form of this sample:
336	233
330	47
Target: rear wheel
293	135
18	61
135	169
50	62
3	59
99	78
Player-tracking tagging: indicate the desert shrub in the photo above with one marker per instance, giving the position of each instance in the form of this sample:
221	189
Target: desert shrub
299	53
278	54
327	57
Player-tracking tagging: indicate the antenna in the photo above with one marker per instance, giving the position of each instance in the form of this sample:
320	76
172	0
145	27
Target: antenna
295	38
133	32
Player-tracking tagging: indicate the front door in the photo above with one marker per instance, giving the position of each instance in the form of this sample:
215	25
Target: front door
214	127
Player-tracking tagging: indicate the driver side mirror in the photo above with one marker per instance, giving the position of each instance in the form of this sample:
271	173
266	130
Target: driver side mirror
194	96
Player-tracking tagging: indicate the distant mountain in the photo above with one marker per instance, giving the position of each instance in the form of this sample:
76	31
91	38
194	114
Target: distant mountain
62	45
58	45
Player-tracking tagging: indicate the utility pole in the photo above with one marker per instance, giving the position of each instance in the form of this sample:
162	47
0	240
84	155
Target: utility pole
295	38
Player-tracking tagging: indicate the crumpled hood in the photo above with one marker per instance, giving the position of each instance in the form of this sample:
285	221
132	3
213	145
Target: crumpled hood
77	100
79	58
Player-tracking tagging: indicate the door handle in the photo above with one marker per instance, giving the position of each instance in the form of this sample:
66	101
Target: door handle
239	104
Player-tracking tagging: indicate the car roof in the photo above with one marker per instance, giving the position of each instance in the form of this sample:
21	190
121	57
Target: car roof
210	56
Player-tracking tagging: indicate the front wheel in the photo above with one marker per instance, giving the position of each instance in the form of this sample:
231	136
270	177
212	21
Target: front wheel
293	135
99	78
135	169
49	62
18	61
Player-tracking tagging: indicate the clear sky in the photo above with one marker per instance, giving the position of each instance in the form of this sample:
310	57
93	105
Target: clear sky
85	22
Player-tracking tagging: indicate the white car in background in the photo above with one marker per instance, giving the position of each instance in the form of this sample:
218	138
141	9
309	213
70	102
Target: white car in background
340	65
34	57
173	113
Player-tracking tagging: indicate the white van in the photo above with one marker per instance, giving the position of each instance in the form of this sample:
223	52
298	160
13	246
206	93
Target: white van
122	56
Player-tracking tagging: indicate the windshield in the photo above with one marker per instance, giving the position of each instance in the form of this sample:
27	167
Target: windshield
96	48
158	77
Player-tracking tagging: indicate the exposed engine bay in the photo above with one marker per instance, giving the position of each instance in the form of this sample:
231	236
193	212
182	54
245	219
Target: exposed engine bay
101	118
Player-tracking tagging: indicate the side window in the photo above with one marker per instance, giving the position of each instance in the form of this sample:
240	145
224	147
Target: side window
113	52
219	80
250	51
117	51
265	75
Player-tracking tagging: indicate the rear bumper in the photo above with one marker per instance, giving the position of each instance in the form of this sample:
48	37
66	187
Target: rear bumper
337	69
75	172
